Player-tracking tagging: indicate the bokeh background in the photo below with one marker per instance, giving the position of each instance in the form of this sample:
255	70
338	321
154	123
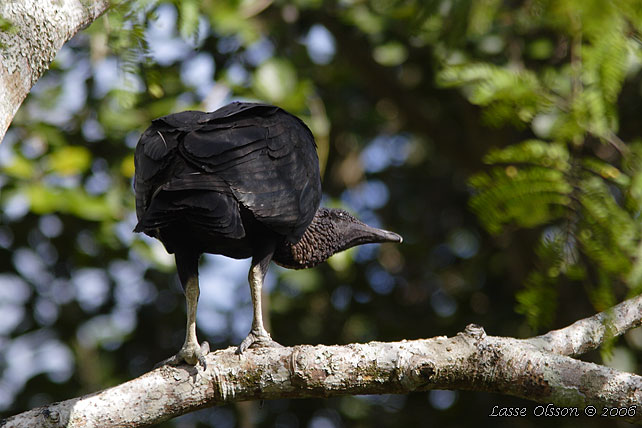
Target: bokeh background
406	99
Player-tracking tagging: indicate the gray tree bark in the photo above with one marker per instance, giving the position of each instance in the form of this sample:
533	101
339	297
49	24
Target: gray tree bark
538	369
38	30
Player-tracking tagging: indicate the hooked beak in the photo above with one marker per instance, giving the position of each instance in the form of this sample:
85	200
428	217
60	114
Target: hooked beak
386	236
371	235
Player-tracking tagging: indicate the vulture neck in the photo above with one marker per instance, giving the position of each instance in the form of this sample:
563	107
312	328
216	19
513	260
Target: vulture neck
330	232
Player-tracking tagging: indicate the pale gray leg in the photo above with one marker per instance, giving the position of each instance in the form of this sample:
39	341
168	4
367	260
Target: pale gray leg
258	335
191	352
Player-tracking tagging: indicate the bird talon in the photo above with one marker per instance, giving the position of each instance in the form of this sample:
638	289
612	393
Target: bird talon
187	355
257	340
205	349
166	362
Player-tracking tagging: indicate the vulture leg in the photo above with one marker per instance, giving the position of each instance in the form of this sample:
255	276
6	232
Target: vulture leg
191	352
258	335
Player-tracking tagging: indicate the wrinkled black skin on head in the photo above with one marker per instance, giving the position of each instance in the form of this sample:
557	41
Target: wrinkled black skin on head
331	231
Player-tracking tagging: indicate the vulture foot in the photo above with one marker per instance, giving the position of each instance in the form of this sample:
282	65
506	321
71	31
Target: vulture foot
257	339
190	353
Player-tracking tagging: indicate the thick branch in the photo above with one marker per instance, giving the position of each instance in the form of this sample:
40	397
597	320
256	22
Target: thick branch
39	29
589	333
470	360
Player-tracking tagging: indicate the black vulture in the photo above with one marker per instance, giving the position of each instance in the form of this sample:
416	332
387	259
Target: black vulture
242	181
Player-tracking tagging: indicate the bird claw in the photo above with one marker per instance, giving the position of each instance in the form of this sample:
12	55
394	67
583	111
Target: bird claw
189	355
257	340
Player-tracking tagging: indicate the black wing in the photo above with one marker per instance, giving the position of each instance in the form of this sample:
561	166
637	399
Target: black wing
255	155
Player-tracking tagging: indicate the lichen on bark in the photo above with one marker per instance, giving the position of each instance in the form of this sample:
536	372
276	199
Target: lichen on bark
37	31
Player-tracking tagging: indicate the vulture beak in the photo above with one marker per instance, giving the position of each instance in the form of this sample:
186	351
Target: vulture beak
360	233
375	235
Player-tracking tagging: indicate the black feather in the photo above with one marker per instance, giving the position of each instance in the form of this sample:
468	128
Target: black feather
244	155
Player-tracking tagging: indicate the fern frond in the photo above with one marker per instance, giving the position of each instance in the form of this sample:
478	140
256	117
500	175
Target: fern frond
510	93
188	18
605	61
608	234
558	252
538	300
606	171
526	197
535	152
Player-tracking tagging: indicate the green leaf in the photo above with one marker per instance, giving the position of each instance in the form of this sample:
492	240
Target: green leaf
188	12
482	14
69	160
510	95
342	261
526	197
536	152
365	20
275	79
19	167
390	54
541	49
607	232
302	280
47	200
227	20
538	300
606	171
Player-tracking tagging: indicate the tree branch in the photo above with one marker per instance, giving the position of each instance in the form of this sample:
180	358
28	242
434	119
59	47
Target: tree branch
38	30
589	333
531	369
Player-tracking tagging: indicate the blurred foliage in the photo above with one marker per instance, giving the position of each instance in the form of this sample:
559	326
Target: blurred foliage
500	139
571	178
